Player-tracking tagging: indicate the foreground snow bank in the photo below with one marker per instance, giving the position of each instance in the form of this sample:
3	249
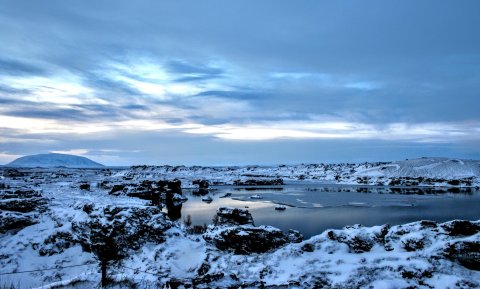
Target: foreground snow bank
416	255
422	254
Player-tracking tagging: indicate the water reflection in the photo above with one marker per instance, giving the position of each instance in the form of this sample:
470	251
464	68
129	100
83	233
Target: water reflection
200	192
258	189
312	209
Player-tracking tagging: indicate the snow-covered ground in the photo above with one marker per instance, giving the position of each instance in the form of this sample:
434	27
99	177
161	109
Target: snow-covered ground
418	172
54	219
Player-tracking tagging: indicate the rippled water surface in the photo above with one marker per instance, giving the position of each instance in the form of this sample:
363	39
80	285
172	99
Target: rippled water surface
313	208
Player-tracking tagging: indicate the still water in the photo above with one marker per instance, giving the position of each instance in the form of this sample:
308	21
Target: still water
311	209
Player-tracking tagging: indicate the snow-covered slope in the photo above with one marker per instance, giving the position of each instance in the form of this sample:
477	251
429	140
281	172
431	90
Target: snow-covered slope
415	172
54	160
426	167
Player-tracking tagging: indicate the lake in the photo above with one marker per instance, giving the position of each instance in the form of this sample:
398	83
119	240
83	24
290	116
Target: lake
312	208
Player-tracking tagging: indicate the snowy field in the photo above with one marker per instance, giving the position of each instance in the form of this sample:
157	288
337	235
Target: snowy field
55	223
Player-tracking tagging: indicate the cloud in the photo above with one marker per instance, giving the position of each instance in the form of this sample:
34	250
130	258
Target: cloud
15	67
243	71
80	152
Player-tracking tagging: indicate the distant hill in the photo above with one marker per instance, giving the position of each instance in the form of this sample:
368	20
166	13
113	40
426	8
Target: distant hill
54	160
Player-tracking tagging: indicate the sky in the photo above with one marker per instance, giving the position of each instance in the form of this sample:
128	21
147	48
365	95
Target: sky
240	82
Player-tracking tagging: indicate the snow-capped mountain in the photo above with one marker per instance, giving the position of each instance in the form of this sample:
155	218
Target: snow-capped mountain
54	160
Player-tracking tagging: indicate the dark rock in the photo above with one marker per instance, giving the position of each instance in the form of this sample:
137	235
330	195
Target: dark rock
85	187
88	208
202	184
415	274
174	209
467	253
359	245
411	245
258	182
21	205
104	185
461	228
175	283
117	188
20	194
428	224
454	182
358	239
208	278
294	236
13	173
308	247
233	216
175	186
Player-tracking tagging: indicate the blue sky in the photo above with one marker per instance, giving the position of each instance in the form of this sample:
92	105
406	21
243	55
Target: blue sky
239	82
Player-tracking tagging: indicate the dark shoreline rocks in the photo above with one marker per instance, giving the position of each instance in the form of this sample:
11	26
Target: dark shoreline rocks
259	182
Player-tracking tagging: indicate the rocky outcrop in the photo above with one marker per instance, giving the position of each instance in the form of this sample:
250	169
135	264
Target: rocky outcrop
461	228
233	230
358	238
423	181
247	239
15	221
233	216
21	201
13	173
